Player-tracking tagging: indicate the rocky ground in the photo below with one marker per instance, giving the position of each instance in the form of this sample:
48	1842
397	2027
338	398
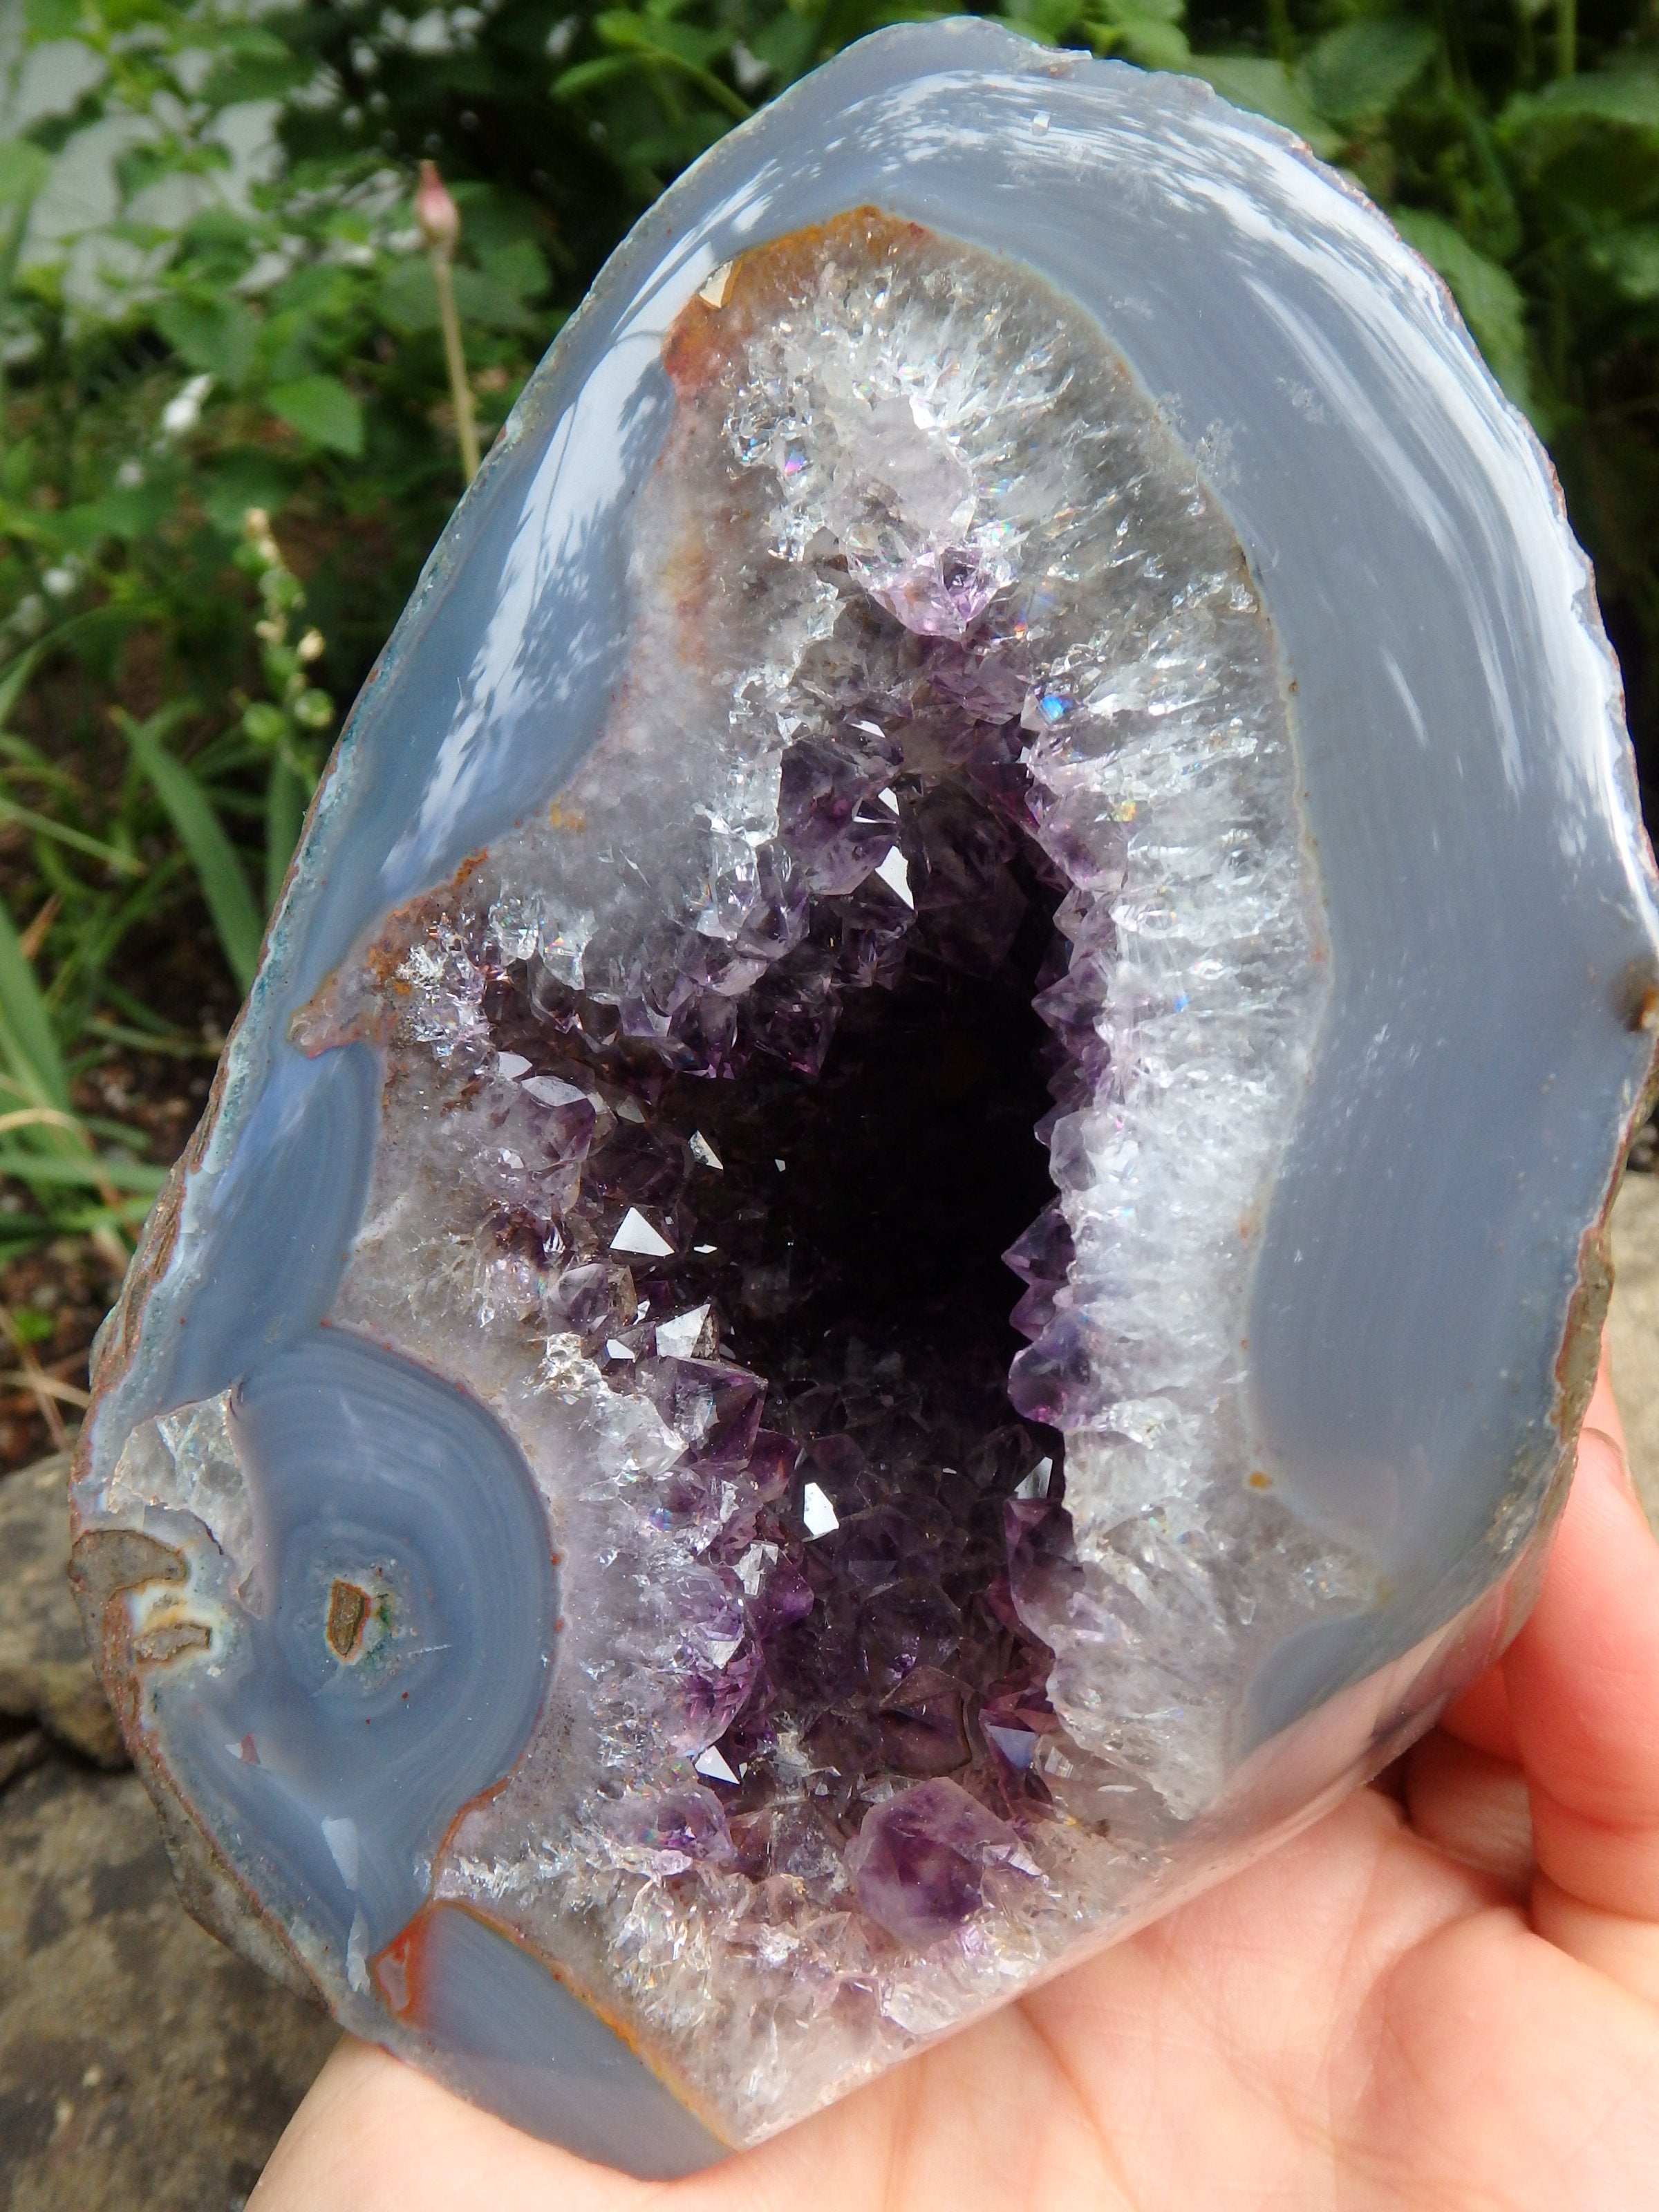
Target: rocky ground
143	2068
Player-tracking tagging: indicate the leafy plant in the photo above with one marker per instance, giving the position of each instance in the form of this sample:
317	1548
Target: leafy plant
227	392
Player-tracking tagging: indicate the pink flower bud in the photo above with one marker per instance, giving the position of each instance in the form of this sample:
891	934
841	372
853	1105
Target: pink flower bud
435	212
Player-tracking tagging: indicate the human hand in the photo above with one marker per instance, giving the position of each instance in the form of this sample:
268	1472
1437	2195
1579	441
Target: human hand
1447	2003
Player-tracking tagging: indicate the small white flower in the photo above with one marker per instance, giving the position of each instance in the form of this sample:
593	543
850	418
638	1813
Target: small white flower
750	71
130	475
184	411
58	583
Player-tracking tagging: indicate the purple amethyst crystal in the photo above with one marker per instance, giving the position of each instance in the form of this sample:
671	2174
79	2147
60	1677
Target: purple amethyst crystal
921	1861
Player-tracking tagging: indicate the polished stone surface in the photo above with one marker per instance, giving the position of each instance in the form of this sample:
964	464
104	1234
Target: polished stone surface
927	661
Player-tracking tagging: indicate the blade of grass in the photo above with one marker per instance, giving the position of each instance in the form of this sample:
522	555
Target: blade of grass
35	1073
33	763
28	1043
100	934
175	1047
190	810
124	863
102	1175
19	1232
37	1117
16	677
103	1220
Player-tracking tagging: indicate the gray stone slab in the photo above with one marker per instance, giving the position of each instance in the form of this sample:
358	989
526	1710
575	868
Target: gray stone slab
143	2068
45	1675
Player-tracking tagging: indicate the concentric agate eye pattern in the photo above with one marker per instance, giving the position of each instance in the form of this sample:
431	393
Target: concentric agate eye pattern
1012	698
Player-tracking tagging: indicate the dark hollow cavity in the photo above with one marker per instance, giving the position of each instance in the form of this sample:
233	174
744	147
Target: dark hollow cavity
875	1166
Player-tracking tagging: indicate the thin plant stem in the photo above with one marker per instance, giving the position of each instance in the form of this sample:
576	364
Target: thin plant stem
34	1379
466	428
1566	37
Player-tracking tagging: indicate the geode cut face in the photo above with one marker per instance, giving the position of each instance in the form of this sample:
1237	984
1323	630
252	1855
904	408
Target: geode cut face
901	1242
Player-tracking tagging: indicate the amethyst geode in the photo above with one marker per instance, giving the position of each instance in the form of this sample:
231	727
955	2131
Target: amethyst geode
1013	698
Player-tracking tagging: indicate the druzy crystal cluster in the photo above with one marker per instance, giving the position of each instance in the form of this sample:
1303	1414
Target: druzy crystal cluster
848	1312
934	911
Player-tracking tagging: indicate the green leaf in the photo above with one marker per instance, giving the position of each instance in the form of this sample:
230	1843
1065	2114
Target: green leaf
492	298
693	49
242	479
28	1043
1266	87
1357	73
1490	298
1628	96
23	169
1631	258
30	1326
481	300
216	333
202	834
1148	30
322	410
678	46
131	511
786	45
588	76
516	266
1051	21
53	19
409	296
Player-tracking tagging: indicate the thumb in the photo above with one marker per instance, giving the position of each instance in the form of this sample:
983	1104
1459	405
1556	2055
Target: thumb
1583	1683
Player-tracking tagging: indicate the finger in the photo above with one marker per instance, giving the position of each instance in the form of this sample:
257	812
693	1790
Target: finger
373	2133
1481	1717
1473	1807
1582	1678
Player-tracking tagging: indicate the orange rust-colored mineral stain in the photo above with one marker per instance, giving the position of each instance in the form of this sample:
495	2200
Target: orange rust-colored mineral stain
400	1973
397	1968
338	1013
348	1613
766	284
